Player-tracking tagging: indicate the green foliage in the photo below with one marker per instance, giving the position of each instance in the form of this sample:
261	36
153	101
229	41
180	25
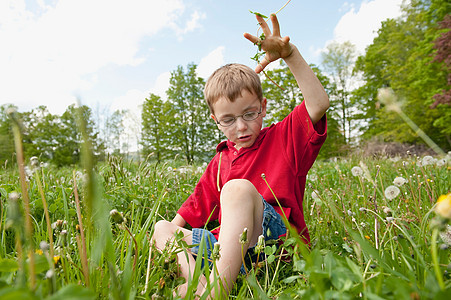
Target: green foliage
6	136
282	101
402	57
193	133
156	128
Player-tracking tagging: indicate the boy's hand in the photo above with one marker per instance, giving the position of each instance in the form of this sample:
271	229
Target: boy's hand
274	45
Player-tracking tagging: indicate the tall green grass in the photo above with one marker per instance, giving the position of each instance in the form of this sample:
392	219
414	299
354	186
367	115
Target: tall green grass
91	229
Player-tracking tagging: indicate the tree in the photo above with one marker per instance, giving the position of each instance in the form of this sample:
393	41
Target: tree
283	94
155	128
192	129
114	128
338	61
6	135
401	57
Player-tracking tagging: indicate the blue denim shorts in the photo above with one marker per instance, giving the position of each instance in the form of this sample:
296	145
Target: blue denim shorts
272	228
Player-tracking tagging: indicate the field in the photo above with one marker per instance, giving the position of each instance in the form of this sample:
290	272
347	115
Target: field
376	230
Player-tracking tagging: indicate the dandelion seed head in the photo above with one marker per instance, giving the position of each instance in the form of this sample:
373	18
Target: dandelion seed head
387	211
315	195
44	246
399	181
357	171
312	177
391	192
49	274
13	196
427	160
441	162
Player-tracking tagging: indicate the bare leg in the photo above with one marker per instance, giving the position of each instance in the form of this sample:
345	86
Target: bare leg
241	207
164	232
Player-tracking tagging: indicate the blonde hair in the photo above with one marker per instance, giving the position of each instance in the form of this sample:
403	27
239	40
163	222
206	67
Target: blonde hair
229	81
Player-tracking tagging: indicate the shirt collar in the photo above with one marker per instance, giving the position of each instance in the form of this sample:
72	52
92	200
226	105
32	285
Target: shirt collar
228	144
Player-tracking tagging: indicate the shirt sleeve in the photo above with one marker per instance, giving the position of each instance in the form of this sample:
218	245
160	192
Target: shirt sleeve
202	206
302	139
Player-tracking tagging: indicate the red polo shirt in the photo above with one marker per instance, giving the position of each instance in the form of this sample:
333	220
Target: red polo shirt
284	152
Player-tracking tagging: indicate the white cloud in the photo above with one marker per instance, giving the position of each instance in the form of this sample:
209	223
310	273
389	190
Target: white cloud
190	25
53	53
360	26
211	62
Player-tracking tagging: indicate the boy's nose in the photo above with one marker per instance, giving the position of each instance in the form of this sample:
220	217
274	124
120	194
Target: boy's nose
240	124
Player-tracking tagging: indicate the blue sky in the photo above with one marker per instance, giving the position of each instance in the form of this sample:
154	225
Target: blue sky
112	53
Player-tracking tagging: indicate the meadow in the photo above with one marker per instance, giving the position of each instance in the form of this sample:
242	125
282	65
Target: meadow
84	233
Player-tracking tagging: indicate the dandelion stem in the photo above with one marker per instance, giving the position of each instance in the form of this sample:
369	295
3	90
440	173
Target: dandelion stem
136	246
26	200
435	259
46	213
82	249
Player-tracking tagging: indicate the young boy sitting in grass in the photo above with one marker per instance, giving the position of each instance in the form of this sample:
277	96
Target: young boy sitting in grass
233	188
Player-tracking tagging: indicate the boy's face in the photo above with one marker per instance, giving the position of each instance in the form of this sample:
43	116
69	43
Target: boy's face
243	133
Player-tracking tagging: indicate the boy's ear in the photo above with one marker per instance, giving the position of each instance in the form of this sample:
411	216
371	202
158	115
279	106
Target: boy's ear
214	119
264	102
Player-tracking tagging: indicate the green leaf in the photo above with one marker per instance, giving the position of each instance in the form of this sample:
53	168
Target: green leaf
291	279
258	14
73	292
8	265
14	293
52	208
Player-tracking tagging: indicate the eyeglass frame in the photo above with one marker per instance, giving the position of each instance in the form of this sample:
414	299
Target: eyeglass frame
242	115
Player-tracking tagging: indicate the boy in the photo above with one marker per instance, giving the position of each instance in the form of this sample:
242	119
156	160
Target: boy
233	189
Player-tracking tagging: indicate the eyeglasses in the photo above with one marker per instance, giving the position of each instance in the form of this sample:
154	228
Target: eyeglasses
247	116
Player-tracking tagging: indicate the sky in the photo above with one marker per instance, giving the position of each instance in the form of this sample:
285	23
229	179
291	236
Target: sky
111	54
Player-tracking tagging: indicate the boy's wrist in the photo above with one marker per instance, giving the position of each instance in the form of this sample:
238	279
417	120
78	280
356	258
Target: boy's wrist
293	49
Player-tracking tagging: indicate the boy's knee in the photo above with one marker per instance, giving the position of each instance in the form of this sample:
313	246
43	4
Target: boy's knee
163	229
236	190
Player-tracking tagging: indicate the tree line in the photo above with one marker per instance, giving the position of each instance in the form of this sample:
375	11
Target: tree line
410	54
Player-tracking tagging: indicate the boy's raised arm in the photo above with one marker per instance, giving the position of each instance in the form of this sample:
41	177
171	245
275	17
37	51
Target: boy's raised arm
275	46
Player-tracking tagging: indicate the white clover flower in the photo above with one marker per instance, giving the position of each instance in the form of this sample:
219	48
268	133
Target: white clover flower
357	171
183	170
399	181
389	219
427	160
391	192
199	170
169	169
315	195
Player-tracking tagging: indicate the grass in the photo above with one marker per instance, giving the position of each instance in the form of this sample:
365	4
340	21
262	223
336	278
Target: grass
363	244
